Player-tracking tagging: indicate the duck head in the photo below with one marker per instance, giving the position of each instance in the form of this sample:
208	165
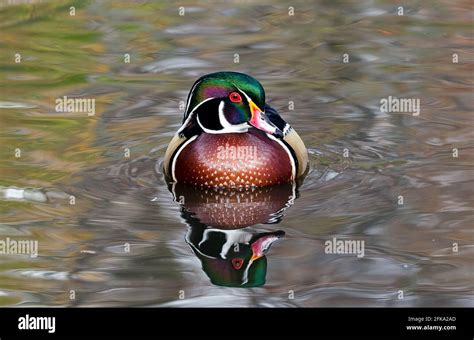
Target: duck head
226	102
232	258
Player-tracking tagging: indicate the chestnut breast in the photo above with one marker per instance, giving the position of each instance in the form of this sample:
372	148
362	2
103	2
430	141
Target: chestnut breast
233	160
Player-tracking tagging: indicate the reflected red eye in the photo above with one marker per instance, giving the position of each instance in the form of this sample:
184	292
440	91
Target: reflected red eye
237	262
235	97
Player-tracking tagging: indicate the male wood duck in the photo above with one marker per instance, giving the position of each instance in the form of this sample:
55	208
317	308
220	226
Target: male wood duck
231	138
231	254
232	258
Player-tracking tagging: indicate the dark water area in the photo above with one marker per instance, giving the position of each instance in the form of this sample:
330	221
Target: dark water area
91	191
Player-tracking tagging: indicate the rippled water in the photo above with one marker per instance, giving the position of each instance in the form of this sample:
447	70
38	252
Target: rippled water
123	202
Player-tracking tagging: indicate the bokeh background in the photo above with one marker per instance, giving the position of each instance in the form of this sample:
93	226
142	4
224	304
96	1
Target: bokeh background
297	58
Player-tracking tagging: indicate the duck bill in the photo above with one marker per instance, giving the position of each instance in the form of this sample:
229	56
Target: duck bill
263	243
260	121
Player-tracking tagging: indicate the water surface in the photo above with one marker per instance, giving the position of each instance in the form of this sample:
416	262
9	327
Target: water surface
124	203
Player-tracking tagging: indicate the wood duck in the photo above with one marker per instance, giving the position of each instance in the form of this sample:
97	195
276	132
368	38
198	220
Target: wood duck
232	258
232	254
231	138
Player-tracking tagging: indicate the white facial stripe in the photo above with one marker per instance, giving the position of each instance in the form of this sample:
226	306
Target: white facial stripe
228	127
238	128
292	161
232	129
234	237
245	276
222	119
173	164
191	114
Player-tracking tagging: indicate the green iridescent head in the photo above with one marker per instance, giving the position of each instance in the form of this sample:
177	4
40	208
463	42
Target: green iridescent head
225	102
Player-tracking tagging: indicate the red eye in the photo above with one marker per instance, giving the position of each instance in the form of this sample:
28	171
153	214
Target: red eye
237	263
235	97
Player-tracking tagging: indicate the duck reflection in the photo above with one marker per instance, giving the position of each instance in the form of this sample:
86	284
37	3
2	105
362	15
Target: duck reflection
231	253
